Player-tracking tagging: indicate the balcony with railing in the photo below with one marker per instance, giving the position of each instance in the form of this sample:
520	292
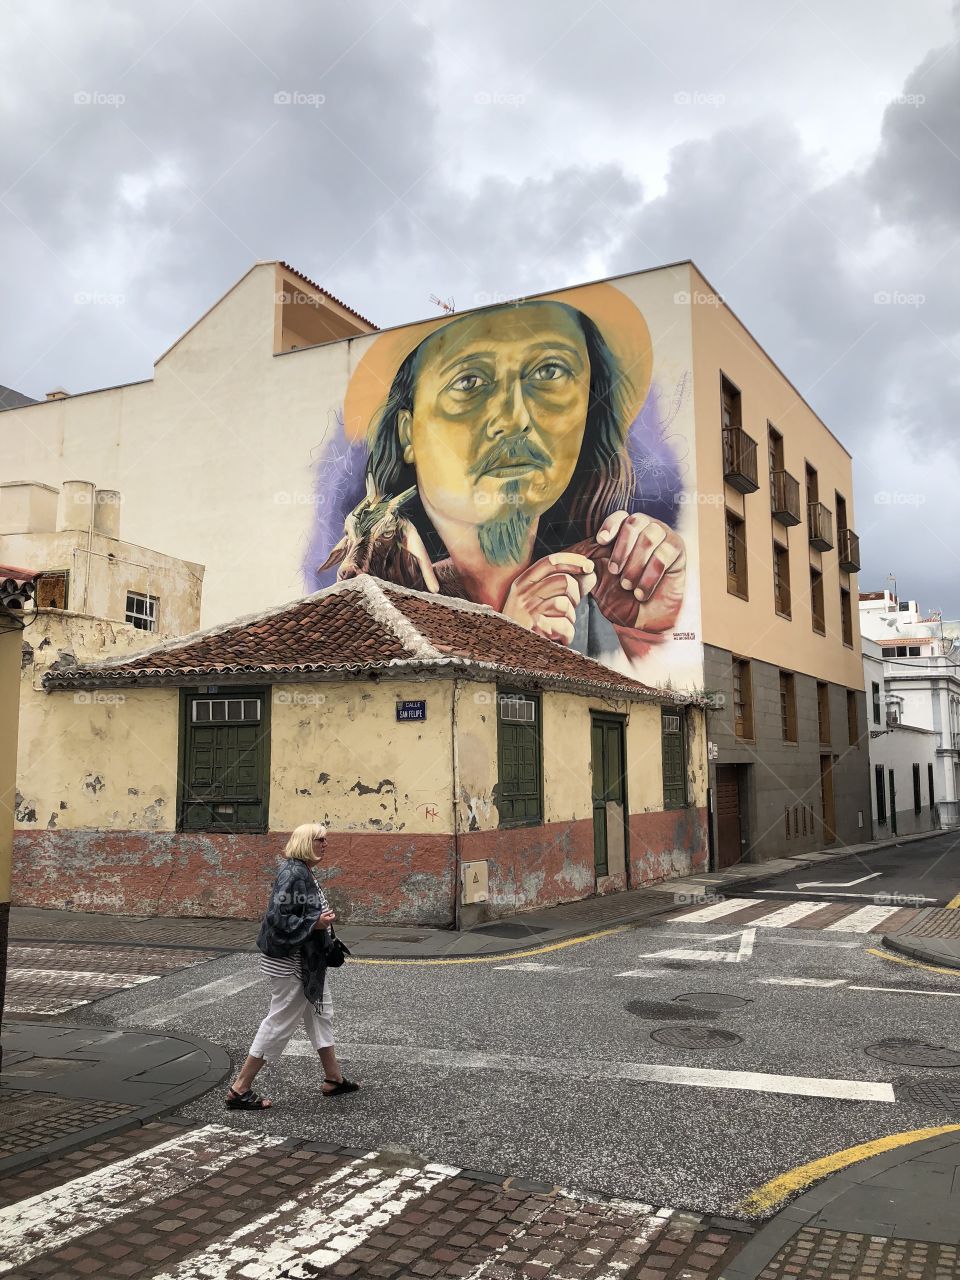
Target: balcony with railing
821	526
740	460
849	551
785	498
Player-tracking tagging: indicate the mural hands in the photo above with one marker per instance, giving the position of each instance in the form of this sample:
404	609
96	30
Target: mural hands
641	571
544	597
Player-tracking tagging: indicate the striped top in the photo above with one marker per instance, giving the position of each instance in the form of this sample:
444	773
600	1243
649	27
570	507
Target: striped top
290	966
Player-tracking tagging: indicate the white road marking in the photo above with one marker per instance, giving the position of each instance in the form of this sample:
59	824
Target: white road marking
52	1219
531	966
716	910
328	1226
803	982
779	919
169	1012
55	977
907	991
862	921
37	1004
911	900
837	884
608	1069
743	952
780	939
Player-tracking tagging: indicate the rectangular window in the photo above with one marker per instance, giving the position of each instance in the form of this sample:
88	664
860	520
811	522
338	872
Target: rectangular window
224	762
846	617
917	793
823	711
141	611
813	485
930	785
881	787
788	706
875	691
853	720
816	602
742	699
730	398
775	454
736	556
52	590
913	651
519	757
674	760
841	508
781	579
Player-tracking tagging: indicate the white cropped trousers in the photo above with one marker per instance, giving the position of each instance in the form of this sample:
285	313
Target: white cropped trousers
288	1008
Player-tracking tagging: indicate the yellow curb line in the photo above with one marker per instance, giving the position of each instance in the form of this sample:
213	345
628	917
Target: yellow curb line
911	964
954	903
504	956
772	1193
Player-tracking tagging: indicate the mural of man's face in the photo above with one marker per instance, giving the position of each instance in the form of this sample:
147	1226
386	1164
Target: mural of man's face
499	412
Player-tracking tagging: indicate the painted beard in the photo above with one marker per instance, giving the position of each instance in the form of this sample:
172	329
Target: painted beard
503	539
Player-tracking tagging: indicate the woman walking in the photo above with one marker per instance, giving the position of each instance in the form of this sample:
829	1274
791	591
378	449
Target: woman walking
293	941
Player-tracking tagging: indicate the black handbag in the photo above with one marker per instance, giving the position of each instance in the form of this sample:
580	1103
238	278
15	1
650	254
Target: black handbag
335	951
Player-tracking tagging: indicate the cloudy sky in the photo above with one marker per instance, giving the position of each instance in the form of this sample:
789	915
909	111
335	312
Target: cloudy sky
805	154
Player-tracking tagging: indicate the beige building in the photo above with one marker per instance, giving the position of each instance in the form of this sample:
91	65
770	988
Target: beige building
466	767
633	424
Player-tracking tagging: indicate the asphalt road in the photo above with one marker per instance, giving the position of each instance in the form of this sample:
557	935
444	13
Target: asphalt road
546	1067
924	873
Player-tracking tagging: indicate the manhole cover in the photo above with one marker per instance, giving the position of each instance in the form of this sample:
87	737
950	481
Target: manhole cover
695	1037
715	1003
508	930
662	1011
914	1053
943	1095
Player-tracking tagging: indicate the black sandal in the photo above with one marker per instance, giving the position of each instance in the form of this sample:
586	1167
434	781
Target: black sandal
339	1086
248	1101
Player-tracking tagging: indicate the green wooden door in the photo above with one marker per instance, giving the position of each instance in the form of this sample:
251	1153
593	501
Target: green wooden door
224	767
609	789
519	789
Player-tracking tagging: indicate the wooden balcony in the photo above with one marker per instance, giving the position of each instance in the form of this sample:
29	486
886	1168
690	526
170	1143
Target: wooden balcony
785	498
821	526
848	545
740	460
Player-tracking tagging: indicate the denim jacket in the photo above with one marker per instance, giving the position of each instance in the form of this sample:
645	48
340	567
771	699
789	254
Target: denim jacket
296	904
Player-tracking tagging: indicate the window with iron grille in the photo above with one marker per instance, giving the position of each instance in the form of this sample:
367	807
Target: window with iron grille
224	770
881	788
846	617
517	709
788	706
742	699
736	556
224	710
823	711
853	719
917	793
141	611
781	579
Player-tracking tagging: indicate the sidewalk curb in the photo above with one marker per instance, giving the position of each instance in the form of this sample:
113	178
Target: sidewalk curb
178	1096
922	952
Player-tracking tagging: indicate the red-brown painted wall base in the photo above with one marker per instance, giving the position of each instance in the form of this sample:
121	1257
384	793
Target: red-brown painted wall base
668	844
370	878
533	867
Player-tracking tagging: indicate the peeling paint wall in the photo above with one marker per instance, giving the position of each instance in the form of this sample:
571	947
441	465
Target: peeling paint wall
92	758
339	755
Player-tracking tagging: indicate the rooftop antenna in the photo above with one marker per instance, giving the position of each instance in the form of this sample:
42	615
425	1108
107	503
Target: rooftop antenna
444	305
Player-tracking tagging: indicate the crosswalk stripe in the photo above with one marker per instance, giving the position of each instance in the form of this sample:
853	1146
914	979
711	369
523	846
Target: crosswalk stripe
716	910
789	915
329	1225
57	977
863	920
53	1218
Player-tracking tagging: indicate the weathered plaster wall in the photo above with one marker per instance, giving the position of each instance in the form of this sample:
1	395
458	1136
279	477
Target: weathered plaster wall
92	758
339	755
9	704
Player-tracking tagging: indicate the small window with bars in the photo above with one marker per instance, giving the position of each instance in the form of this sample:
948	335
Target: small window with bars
141	611
225	710
516	709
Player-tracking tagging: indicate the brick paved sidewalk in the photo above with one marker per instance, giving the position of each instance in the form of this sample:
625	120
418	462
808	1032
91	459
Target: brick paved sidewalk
221	1201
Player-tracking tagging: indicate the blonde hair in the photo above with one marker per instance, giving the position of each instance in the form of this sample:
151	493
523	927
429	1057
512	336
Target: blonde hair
300	844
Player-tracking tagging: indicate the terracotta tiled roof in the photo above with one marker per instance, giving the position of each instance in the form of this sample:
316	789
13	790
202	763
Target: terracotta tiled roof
361	626
333	298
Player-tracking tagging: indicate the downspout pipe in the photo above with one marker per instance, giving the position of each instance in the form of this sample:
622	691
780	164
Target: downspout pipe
455	760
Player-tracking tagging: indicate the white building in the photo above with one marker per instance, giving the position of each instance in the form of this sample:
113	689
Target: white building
912	682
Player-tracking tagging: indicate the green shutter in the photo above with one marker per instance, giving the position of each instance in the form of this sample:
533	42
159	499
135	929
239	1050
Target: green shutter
674	758
225	772
520	782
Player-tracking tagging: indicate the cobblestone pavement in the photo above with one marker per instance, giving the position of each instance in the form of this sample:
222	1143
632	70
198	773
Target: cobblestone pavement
29	1120
173	1201
844	1255
45	980
36	925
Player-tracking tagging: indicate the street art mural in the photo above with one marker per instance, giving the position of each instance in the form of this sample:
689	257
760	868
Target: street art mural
528	456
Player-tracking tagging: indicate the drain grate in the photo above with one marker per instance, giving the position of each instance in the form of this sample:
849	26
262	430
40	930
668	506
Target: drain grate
712	1001
662	1011
943	1095
509	930
914	1053
695	1037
